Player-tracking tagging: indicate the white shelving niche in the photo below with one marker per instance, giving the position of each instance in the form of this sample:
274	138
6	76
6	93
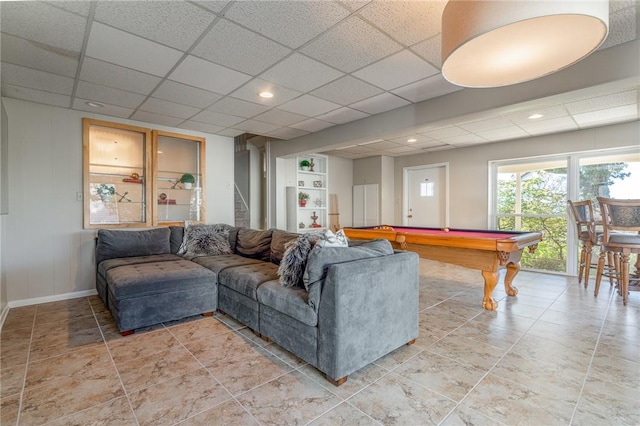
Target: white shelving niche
313	181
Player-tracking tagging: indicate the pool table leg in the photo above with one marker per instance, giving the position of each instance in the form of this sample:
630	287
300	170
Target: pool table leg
512	270
490	281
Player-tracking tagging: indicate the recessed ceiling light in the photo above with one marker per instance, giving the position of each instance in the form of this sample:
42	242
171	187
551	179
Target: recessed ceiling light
95	104
266	95
412	140
159	152
535	116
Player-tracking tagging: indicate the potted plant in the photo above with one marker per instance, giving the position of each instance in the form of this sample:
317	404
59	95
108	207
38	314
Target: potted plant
304	165
302	198
187	180
105	191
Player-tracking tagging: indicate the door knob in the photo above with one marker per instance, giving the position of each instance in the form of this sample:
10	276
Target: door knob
410	216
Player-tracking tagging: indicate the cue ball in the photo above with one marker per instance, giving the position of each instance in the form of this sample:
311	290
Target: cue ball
445	229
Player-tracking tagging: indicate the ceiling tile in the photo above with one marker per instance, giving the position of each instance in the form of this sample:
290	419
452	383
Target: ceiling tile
549	126
44	24
346	90
309	105
33	95
445	133
397	70
439	148
418	138
399	149
34	79
79	7
383	145
207	75
235	47
287	133
39	56
215	6
408	22
358	150
108	95
622	27
464	140
297	21
522	117
106	43
217	118
484	125
186	95
171	109
430	50
249	92
300	73
513	132
111	110
355	4
609	115
201	127
106	74
351	45
603	102
231	132
429	88
173	23
426	144
342	115
149	117
258	127
283	118
312	125
238	107
380	103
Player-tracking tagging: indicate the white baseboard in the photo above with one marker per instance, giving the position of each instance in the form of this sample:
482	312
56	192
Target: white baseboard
54	298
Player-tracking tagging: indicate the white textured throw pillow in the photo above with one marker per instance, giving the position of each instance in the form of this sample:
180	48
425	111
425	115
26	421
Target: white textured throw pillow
329	239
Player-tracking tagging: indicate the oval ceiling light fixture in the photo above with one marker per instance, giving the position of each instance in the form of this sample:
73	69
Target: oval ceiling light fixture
412	140
498	43
94	104
535	116
265	94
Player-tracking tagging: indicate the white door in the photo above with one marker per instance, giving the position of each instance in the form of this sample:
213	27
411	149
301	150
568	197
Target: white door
365	205
425	191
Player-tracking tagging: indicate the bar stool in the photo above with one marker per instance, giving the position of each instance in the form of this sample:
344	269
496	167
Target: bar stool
582	215
621	234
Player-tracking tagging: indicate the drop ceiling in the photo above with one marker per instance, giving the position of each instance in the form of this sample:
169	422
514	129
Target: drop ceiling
199	65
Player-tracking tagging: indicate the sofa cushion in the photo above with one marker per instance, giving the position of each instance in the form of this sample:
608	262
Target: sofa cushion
254	243
278	240
113	244
205	240
294	260
291	301
105	265
321	258
145	279
219	263
246	279
176	238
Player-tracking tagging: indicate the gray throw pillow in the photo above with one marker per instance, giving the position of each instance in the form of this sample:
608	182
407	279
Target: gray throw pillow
114	244
294	260
205	240
278	240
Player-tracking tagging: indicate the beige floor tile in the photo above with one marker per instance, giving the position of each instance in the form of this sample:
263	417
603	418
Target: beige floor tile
63	328
15	336
9	407
465	416
394	400
155	368
290	399
20	318
512	403
476	354
606	403
616	370
562	354
356	381
443	375
344	414
401	355
11	380
70	312
248	370
214	351
12	355
227	413
55	346
67	396
177	399
141	344
116	412
203	328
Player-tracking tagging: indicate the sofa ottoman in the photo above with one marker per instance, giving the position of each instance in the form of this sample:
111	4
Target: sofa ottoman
149	293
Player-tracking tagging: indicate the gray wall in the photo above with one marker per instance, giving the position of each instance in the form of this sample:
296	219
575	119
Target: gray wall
3	207
51	254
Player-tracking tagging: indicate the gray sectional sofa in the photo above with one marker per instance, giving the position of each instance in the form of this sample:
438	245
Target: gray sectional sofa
352	305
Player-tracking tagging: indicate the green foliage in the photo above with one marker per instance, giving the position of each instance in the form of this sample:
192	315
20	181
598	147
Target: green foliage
105	190
303	196
187	178
305	163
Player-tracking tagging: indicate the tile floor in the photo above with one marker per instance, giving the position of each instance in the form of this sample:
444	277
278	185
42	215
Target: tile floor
552	355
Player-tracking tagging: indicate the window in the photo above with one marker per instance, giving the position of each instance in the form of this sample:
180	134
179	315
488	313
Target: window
427	189
136	177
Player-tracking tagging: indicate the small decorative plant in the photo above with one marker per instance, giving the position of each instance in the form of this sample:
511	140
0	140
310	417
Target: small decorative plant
305	164
105	190
187	180
302	198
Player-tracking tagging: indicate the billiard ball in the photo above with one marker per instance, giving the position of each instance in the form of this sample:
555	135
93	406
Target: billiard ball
445	229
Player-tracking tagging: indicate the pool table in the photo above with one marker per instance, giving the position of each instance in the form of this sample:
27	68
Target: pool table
486	251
